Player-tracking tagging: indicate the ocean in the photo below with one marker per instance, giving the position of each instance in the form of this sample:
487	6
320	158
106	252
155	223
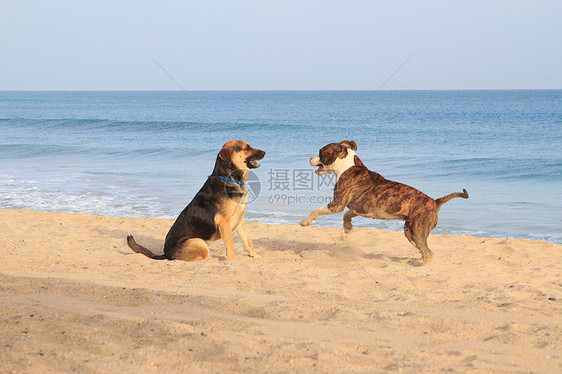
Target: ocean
146	154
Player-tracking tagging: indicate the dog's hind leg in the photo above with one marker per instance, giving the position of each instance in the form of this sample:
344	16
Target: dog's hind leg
191	250
347	226
417	233
421	244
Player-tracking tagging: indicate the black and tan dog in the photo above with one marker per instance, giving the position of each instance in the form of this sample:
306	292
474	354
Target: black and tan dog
216	211
368	194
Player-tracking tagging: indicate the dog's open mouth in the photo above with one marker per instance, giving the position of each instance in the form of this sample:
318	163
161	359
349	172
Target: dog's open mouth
320	169
252	164
252	161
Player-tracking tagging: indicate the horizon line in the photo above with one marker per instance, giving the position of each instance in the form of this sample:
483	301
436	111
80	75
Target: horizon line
283	90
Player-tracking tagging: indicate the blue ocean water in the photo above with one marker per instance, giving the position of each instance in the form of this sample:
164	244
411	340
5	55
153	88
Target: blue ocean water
143	154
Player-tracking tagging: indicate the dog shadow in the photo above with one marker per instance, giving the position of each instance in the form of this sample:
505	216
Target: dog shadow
336	249
282	245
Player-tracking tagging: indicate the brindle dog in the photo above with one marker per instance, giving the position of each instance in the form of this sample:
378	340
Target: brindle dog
215	212
369	194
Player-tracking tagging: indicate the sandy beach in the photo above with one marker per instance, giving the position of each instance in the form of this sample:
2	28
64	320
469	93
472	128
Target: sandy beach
75	298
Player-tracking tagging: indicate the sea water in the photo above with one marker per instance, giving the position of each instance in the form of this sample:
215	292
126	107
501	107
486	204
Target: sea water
146	154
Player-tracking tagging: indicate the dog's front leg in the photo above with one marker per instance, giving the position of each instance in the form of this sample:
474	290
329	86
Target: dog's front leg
347	226
226	235
248	244
322	211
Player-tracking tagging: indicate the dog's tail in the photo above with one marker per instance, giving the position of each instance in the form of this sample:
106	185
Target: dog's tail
444	199
140	249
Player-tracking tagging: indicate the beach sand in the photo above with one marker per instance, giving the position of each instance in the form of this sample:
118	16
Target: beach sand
75	298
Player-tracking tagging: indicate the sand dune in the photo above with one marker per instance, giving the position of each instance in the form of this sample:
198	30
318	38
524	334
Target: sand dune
74	298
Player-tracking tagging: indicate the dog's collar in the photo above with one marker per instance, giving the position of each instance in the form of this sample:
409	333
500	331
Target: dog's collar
230	180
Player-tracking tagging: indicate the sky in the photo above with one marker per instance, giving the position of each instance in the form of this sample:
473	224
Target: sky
280	45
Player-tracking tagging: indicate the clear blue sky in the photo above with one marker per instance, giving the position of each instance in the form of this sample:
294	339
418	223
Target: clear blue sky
287	45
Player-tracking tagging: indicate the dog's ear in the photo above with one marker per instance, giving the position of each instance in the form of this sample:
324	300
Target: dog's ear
225	154
349	144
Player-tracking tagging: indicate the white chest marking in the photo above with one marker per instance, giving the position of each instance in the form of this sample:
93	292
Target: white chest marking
342	164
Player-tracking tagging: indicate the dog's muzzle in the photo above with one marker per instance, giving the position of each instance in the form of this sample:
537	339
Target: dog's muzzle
252	161
315	161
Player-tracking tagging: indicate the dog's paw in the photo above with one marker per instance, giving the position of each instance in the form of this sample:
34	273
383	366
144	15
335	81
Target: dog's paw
427	259
306	222
254	255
